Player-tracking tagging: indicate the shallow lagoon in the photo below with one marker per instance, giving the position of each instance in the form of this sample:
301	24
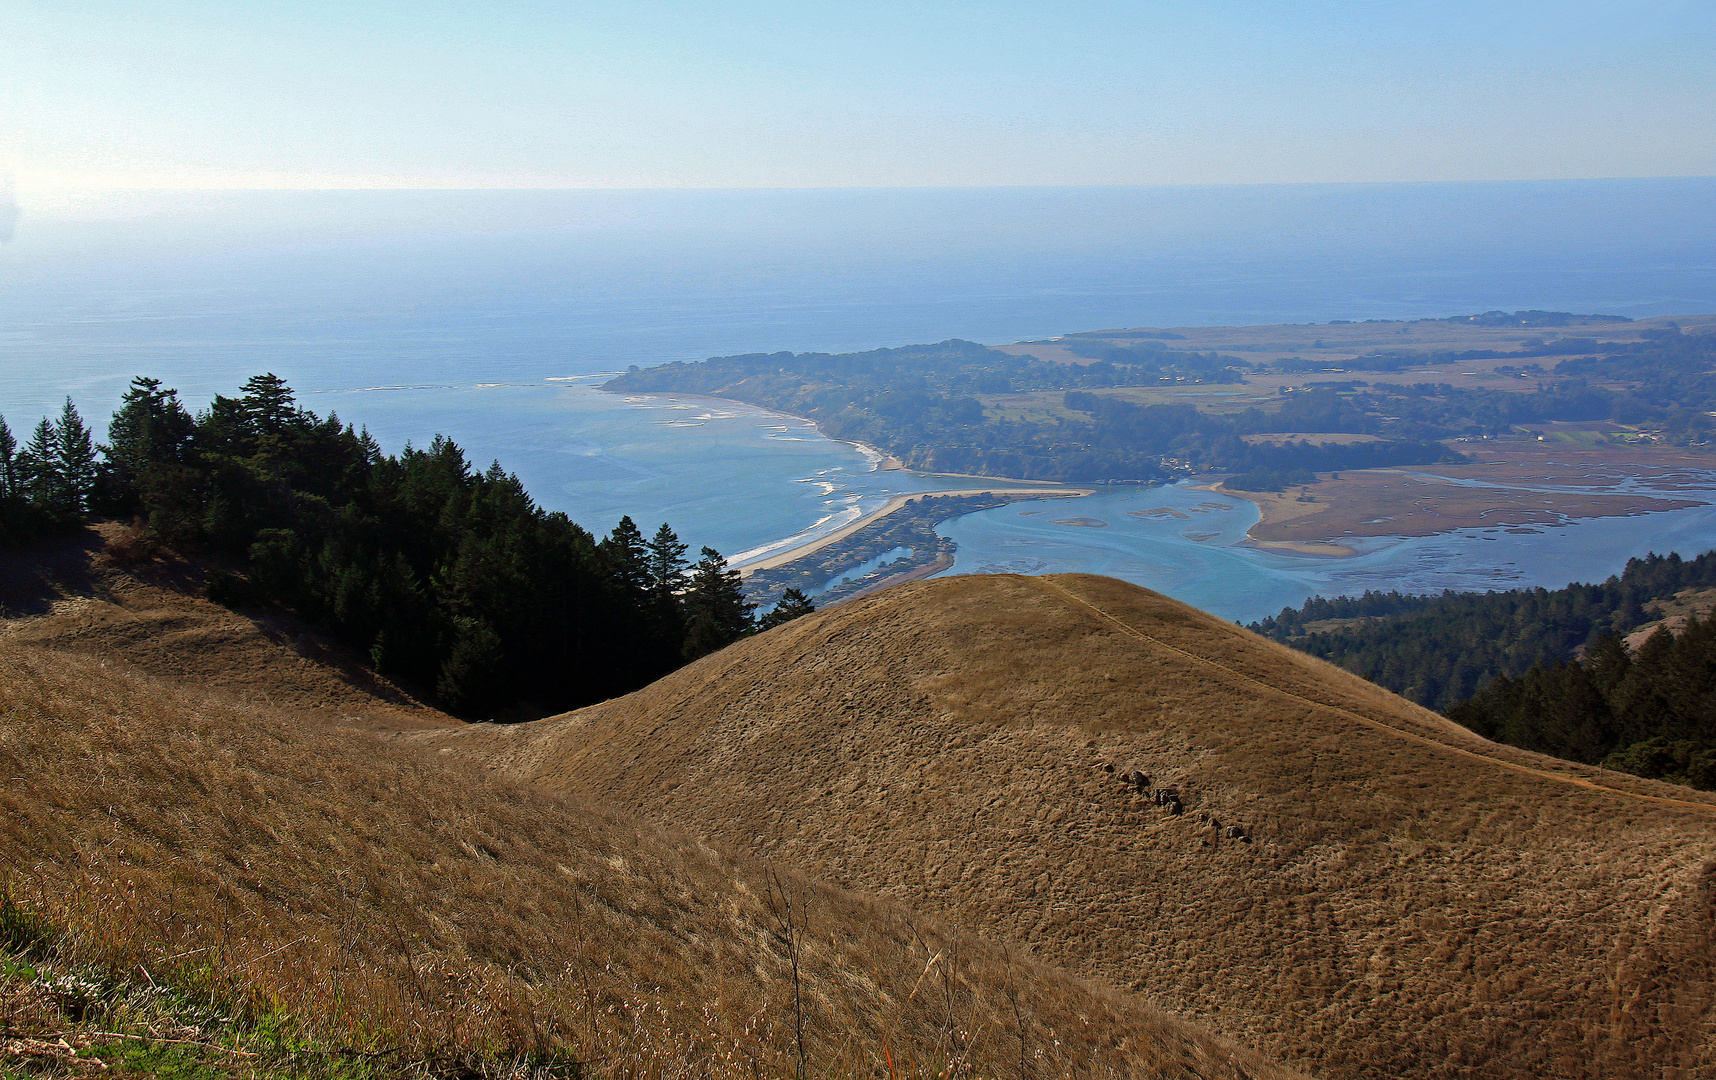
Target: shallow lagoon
1201	558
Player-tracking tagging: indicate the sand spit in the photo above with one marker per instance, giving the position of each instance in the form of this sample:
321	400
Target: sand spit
781	558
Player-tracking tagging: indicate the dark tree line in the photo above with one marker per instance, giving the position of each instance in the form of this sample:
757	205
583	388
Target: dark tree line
450	578
1152	361
1533	317
1667	381
1438	650
1269	479
46	483
1651	713
1206	439
1506	664
949	367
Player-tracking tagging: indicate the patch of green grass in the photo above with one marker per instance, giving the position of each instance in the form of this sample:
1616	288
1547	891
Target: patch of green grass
61	1014
23	934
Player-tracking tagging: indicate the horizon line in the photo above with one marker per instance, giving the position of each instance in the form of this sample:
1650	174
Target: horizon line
21	188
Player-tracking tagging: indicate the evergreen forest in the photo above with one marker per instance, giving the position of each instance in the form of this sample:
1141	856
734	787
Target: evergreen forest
448	577
1651	712
1539	668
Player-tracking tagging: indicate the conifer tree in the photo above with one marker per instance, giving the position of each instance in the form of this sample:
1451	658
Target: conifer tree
267	406
717	613
240	425
39	472
151	428
629	556
8	461
666	564
77	460
791	605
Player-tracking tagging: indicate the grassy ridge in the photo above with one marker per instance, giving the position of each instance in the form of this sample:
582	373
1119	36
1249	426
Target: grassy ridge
62	1017
1349	882
362	897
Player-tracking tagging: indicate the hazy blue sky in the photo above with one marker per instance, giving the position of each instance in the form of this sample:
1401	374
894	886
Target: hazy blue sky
752	93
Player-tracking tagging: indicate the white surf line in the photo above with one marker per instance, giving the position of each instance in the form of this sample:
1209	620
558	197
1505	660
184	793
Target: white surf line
895	503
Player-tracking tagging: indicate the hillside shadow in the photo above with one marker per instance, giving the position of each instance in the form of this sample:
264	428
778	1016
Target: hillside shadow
32	578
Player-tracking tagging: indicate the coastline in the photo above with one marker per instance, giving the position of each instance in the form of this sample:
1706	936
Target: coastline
1321	523
810	547
1269	512
885	462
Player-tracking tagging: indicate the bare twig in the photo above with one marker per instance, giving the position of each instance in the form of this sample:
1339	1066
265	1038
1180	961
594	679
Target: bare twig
1018	1017
794	931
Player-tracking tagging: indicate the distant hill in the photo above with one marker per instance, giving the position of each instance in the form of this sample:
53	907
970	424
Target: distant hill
1125	406
922	404
216	843
1149	795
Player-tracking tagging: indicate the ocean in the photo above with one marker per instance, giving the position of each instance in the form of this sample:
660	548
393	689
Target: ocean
491	316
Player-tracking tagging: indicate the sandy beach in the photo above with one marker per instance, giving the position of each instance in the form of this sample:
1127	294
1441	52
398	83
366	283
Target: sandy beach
1306	547
781	558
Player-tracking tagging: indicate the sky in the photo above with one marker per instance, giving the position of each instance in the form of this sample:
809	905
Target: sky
758	94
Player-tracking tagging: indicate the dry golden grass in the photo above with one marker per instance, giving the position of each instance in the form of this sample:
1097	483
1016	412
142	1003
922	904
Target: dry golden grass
108	592
1410	899
389	898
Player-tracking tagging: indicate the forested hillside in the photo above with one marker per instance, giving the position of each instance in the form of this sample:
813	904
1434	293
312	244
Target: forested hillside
447	577
1651	713
1506	664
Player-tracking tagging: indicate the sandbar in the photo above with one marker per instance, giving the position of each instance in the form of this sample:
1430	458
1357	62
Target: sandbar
930	569
1493	490
781	558
1329	551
